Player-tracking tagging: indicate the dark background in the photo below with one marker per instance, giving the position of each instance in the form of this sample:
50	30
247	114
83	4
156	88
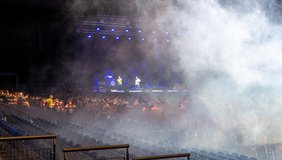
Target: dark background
39	45
31	37
35	37
38	42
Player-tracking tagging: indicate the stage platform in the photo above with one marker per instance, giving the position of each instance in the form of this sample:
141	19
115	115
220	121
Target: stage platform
142	91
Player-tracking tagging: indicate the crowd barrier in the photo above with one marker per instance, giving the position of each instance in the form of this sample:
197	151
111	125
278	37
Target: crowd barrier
187	155
14	148
80	149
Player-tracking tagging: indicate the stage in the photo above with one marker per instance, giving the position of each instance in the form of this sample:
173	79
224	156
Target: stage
141	91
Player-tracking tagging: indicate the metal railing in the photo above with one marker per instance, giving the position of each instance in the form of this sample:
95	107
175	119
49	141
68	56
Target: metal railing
119	146
10	151
27	154
164	156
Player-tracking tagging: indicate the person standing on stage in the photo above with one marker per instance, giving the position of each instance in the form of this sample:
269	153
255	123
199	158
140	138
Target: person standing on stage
119	82
137	82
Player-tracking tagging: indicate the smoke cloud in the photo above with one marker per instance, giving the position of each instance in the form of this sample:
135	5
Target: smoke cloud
230	53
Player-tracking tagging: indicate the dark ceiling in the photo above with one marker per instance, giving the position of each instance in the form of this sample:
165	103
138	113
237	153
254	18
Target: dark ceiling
36	33
52	4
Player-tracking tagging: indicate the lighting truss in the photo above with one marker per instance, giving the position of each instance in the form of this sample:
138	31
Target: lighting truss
106	23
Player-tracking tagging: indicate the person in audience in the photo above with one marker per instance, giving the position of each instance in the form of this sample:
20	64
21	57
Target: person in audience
182	107
70	107
26	103
20	101
50	102
61	105
43	103
56	105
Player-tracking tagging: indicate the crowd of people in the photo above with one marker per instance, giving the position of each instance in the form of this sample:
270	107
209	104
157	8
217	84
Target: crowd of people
14	98
57	104
106	105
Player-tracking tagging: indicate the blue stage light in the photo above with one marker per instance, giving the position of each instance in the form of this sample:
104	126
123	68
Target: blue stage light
143	39
89	36
117	38
103	37
126	30
98	29
113	29
129	38
139	31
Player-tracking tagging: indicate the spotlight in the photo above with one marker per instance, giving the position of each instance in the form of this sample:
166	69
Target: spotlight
117	38
113	29
166	33
153	32
103	37
98	29
126	30
129	38
139	31
89	36
143	39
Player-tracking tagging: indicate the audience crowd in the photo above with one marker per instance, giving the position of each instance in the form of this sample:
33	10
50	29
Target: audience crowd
106	105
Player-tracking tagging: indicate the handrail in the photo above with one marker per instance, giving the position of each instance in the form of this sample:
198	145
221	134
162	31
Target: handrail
27	137
96	148
164	156
53	137
118	146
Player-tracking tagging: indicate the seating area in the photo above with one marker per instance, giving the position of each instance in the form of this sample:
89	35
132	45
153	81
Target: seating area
180	79
16	122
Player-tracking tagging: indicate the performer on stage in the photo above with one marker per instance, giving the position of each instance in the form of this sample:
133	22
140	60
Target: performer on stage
119	82
137	82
